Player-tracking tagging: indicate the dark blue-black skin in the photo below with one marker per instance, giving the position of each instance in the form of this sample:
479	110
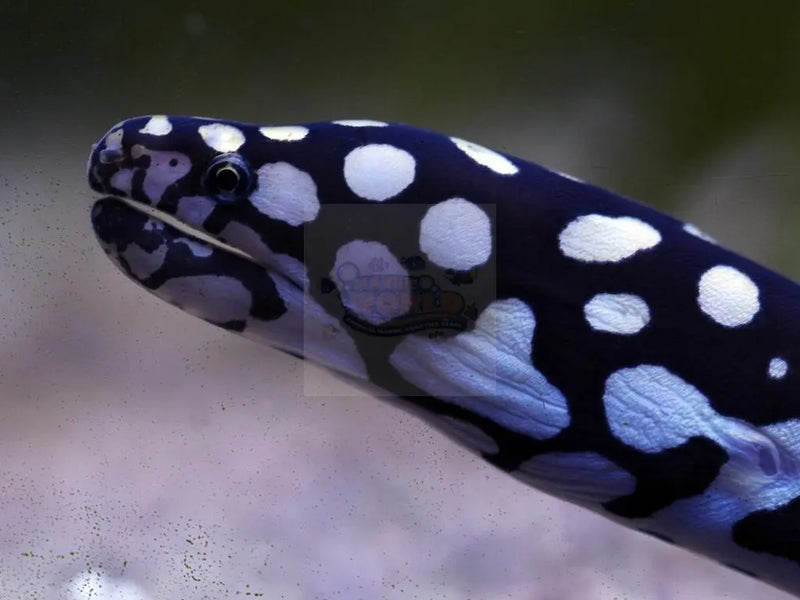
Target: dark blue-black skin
528	212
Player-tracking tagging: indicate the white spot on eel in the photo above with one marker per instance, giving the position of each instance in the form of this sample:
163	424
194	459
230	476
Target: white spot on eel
165	168
371	281
286	193
485	157
157	125
728	296
651	409
360	123
221	137
778	367
378	171
488	371
288	133
625	314
597	238
456	234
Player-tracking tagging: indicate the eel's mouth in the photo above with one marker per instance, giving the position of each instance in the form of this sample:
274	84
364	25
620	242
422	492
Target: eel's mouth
151	246
119	221
217	283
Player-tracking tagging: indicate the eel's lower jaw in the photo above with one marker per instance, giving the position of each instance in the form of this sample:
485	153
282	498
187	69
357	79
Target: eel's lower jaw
119	221
221	285
212	282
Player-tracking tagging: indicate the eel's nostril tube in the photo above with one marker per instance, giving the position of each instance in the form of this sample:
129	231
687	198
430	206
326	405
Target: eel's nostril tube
110	156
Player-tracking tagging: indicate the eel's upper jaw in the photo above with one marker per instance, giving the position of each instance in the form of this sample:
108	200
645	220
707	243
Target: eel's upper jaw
116	152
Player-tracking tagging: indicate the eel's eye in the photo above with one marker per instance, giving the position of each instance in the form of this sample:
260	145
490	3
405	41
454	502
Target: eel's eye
228	178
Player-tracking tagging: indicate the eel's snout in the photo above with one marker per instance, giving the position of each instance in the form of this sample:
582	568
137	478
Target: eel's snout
111	160
106	160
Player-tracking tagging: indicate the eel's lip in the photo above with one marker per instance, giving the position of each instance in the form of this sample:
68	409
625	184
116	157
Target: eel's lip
119	221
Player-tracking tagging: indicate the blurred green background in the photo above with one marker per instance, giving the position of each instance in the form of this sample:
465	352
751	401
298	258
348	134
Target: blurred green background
129	429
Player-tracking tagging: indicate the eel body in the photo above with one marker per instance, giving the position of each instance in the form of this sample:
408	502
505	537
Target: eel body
585	344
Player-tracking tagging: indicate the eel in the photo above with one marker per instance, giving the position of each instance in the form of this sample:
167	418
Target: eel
585	344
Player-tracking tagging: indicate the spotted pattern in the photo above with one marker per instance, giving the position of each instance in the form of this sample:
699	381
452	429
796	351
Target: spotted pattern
486	158
585	344
488	371
286	133
777	368
728	296
456	234
624	314
164	169
157	125
651	409
361	123
222	137
598	238
286	193
378	171
371	281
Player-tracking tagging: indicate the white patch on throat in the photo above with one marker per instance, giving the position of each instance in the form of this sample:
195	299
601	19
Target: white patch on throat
488	371
778	367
